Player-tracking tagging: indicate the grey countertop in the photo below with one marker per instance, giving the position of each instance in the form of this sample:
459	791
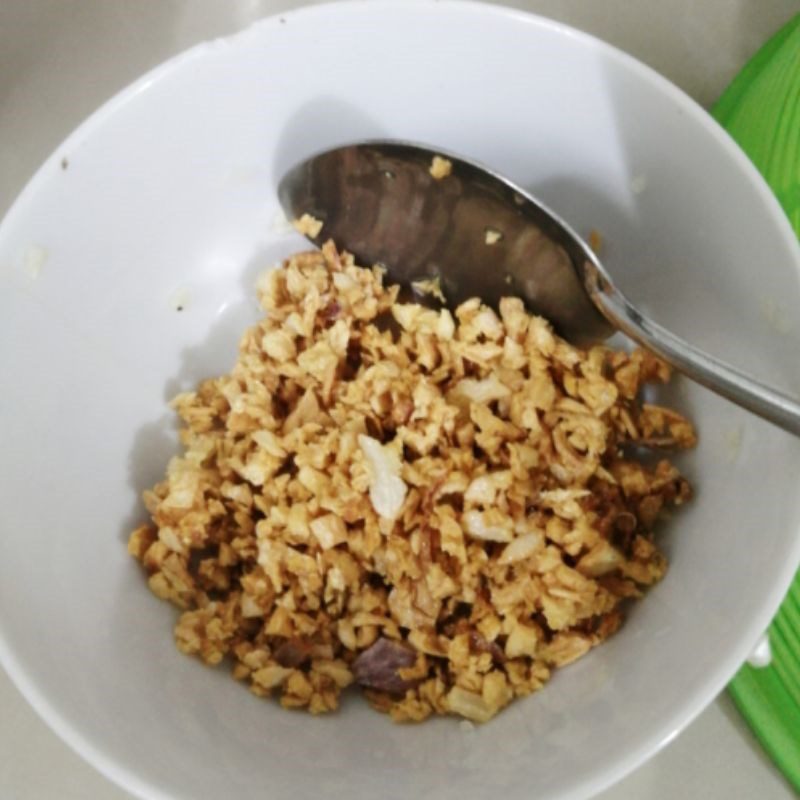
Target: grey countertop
60	59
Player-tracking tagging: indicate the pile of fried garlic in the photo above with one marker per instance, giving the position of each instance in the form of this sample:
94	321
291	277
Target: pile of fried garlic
440	508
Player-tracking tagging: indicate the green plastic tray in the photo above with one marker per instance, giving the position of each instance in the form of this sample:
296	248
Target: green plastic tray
761	111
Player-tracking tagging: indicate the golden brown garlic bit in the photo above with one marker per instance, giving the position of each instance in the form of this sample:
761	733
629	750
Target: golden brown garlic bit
437	504
440	167
308	225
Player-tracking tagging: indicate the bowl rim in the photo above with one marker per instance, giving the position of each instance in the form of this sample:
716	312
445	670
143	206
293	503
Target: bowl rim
683	714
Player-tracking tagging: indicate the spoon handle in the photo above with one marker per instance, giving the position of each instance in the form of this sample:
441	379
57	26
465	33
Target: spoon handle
724	380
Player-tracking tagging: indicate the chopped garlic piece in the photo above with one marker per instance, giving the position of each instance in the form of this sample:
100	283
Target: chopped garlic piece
493	236
440	167
308	226
387	491
431	286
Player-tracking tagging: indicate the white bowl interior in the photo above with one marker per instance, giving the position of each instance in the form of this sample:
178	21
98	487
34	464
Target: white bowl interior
167	197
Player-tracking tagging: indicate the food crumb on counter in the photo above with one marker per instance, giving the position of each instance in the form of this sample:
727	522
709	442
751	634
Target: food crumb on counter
774	312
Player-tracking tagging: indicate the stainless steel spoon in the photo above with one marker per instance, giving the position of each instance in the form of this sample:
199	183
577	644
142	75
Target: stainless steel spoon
482	236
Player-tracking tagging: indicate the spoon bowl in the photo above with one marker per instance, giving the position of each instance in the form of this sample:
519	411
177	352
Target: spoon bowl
476	232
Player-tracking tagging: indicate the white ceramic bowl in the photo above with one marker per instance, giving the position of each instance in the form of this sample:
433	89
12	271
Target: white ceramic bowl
166	197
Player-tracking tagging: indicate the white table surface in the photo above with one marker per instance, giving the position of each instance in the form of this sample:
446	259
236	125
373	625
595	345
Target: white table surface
60	59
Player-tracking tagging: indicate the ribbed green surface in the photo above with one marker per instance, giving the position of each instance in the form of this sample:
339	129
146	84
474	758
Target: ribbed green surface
761	110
